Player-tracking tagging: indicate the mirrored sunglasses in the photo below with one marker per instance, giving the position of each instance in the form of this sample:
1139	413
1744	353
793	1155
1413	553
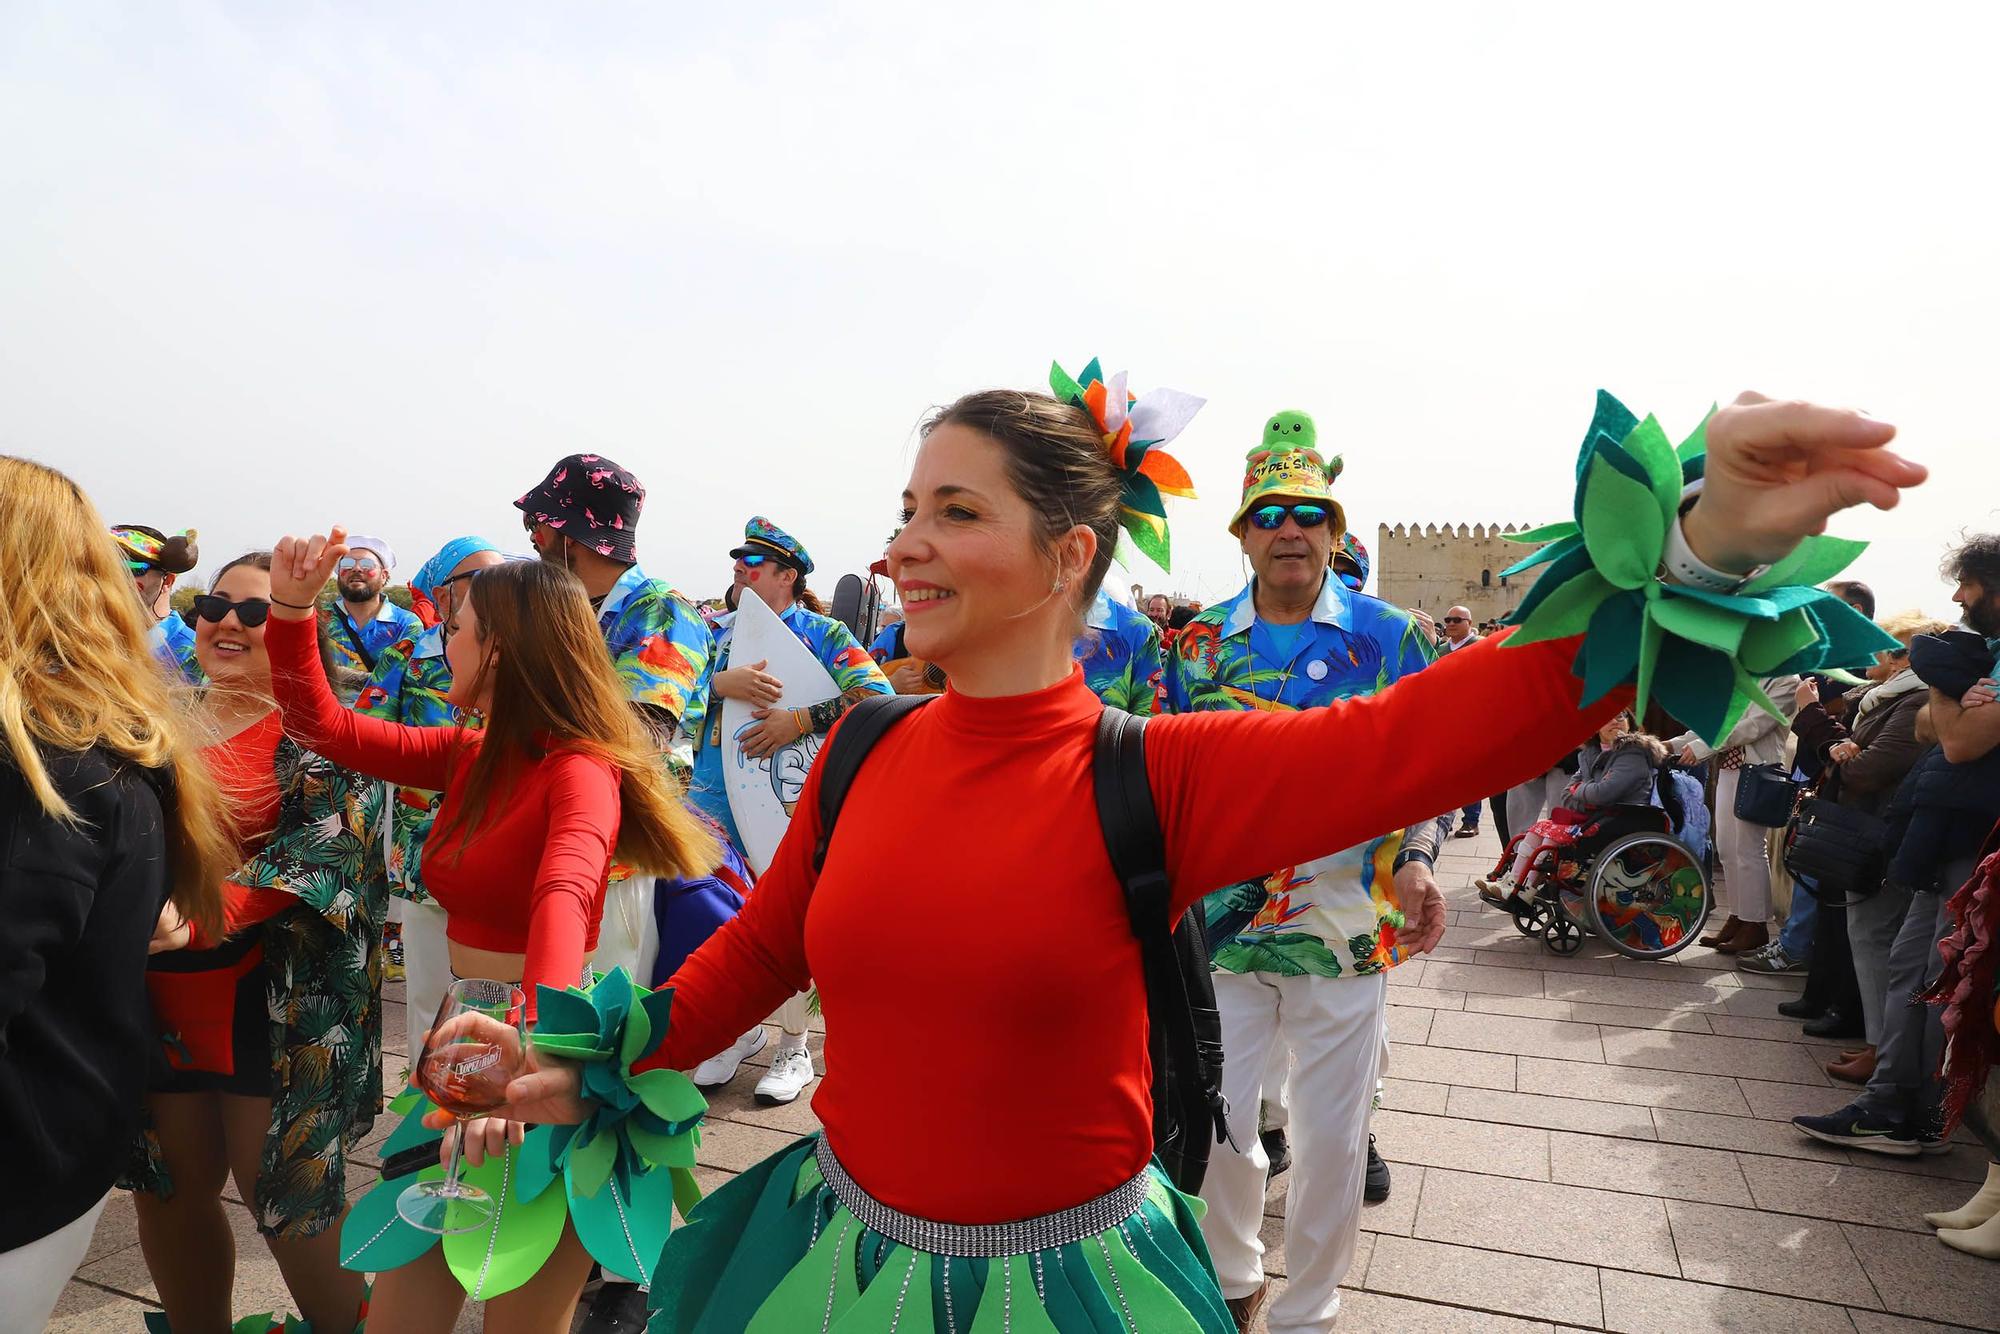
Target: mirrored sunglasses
361	562
1269	517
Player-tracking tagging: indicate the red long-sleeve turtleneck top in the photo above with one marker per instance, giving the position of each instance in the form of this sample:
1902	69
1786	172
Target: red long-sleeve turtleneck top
531	879
985	1005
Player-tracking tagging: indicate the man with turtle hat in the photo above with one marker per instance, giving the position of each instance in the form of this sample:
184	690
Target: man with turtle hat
1300	957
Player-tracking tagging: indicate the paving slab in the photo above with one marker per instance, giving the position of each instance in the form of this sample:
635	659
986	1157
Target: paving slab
1469	1146
1541	1218
1650	1304
1647	1088
1523	1037
1490	1280
1745	1248
1534	1109
1664	1171
1918	1275
1776	1061
1850	1193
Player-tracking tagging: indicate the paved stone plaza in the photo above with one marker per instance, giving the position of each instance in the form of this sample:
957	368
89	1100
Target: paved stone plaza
1587	1142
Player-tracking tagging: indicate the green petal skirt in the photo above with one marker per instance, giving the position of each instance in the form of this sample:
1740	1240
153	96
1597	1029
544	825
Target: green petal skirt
776	1252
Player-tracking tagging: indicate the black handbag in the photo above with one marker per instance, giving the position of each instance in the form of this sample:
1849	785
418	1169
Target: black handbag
1765	795
1838	852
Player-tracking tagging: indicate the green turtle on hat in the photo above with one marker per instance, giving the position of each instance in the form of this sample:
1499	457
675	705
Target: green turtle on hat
1289	466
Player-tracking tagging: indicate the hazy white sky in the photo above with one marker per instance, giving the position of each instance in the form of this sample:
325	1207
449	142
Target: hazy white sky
266	267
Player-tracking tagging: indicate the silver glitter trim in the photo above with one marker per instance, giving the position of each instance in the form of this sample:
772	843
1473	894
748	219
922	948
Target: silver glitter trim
984	1241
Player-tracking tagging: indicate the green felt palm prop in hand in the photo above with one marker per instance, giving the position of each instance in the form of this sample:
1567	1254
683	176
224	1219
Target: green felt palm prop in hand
1699	653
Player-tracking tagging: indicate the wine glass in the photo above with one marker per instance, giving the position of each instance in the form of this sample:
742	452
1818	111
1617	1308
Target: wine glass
473	1051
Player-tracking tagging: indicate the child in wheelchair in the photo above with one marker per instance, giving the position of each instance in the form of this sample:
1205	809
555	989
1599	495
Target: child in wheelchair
1616	769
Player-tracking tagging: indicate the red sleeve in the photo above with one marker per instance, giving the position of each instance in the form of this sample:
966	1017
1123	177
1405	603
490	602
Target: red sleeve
756	960
407	756
1241	794
568	892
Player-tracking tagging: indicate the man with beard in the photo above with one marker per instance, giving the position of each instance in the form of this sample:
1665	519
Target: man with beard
363	623
1939	818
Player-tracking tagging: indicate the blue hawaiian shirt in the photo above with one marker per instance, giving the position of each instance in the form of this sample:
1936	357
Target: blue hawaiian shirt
409	685
854	674
1336	915
173	645
659	644
1120	653
359	646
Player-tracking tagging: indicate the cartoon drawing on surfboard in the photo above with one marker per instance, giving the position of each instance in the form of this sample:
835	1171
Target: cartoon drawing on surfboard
762	792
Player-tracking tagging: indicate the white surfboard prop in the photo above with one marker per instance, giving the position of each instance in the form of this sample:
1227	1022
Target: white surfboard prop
763	792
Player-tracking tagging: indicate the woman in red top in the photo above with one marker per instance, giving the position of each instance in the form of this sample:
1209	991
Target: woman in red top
300	948
536	803
967	908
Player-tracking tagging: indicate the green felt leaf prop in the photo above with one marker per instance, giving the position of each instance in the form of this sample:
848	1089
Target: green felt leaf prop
1751	691
1702	622
1552	552
1566	611
412	1131
374	1238
1813	561
514	1243
1623	528
1768	644
1698	653
1548	532
1611	645
634	1226
876	1311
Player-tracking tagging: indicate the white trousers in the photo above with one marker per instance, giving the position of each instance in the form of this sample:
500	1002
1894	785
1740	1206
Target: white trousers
426	968
629	937
1334	1028
32	1276
1746	864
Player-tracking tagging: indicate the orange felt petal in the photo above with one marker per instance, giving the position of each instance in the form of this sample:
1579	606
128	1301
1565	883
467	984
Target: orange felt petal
1167	473
1094	398
1116	444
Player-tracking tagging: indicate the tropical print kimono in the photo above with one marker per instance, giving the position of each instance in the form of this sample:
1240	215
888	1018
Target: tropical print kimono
323	968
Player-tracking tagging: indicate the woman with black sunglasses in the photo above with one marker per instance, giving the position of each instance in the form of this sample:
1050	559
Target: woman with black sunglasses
271	1035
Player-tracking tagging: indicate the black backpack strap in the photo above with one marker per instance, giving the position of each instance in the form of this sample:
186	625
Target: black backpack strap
860	728
1184	1027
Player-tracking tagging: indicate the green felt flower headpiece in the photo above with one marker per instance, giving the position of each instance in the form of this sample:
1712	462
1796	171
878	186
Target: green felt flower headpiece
1134	431
1700	653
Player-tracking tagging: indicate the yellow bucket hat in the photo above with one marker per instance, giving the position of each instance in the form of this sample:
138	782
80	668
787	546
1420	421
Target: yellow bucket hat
1288	466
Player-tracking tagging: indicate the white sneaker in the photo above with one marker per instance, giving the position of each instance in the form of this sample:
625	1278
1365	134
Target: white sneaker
791	1070
720	1068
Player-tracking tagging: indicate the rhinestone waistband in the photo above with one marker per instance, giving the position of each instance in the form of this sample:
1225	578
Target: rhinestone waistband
982	1240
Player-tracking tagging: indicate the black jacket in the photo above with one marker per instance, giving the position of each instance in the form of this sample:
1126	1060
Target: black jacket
78	904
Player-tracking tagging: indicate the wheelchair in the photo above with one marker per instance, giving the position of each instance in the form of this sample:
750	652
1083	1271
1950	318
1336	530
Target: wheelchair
1627	876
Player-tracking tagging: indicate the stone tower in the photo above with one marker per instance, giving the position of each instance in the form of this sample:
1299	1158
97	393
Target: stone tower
1428	567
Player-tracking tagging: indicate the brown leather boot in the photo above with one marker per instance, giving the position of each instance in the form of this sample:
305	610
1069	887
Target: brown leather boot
1722	933
1244	1310
1749	936
1855	1071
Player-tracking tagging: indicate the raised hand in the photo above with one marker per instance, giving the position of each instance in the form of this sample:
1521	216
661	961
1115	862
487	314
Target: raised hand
1777	471
300	567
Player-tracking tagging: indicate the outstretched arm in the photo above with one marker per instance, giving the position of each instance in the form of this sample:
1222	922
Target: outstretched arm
408	756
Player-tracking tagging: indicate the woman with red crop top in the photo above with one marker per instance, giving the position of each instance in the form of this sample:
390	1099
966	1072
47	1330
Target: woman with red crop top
967	908
301	945
561	778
